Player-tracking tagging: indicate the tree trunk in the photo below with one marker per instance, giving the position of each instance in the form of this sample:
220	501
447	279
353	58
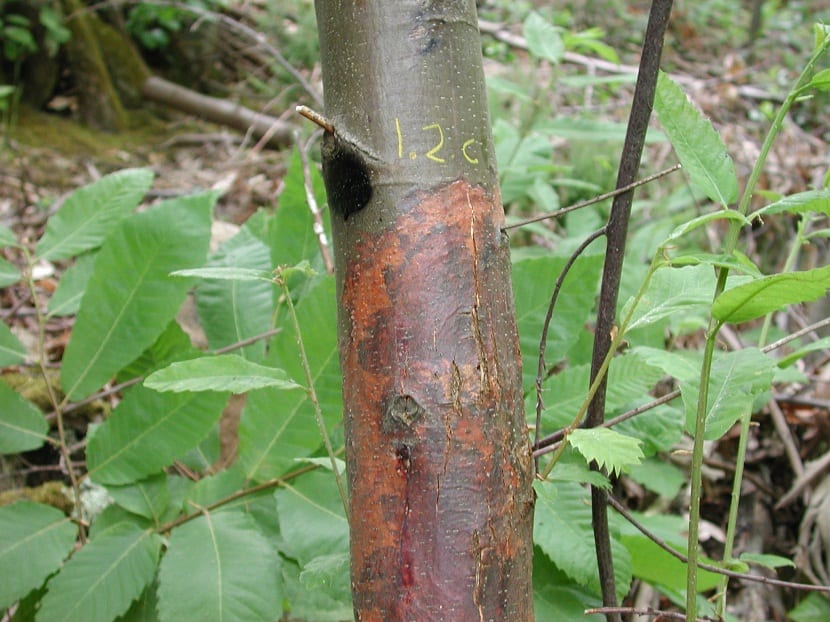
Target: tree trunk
437	450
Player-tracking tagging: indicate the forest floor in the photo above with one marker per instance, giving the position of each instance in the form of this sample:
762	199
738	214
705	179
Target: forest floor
46	155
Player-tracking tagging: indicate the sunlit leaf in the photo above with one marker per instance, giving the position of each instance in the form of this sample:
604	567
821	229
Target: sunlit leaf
611	450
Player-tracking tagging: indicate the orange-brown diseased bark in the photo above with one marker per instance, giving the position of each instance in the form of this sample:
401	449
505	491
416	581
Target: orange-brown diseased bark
439	464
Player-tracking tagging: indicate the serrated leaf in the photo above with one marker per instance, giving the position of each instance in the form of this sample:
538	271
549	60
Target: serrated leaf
102	579
817	201
562	529
532	299
130	297
147	497
672	291
697	144
271	438
232	312
90	213
219	567
9	275
12	351
659	476
543	38
34	540
761	296
148	431
22	425
223	372
611	450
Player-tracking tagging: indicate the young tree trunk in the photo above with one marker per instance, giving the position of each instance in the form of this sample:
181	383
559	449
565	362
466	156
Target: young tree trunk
439	465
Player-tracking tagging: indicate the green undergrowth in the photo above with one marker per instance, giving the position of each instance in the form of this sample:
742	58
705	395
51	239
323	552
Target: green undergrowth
165	526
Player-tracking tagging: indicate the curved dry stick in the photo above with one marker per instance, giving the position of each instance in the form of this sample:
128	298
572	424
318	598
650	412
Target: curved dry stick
543	340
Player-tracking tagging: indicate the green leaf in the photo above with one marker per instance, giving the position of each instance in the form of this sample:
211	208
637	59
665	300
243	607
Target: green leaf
630	377
700	221
591	130
7	236
130	297
651	563
757	298
148	497
67	297
148	431
817	201
672	291
290	233
12	351
737	262
562	529
219	567
102	579
659	476
34	540
543	38
814	608
223	372
312	521
226	273
766	560
90	213
821	344
232	312
278	427
557	597
9	275
608	448
698	146
22	425
572	310
328	573
821	80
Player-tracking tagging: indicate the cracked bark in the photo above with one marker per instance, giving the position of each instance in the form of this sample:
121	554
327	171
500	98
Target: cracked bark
438	459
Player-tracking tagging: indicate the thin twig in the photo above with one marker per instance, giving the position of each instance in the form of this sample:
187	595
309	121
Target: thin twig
646	611
709	567
543	340
592	201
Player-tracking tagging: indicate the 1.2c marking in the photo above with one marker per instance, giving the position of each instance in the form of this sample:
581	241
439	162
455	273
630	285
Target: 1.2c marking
434	153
